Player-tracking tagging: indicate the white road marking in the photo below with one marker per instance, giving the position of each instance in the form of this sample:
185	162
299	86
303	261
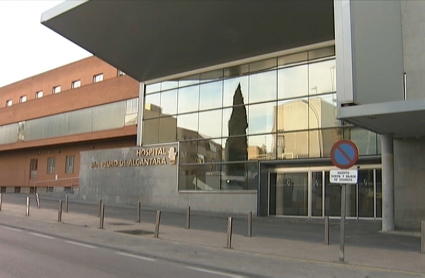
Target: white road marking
40	235
135	256
214	272
81	244
11	229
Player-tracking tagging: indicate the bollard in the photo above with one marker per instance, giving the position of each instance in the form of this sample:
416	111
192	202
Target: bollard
66	203
60	211
37	199
1	201
28	207
102	216
423	237
100	207
229	232
139	208
250	224
158	220
327	230
188	218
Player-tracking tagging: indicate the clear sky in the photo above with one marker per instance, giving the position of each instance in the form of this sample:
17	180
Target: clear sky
27	47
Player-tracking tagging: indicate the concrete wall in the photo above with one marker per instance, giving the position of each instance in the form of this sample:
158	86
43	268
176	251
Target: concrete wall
409	183
153	185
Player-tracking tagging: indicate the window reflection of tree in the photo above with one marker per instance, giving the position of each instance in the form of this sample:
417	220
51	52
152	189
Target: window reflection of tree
237	147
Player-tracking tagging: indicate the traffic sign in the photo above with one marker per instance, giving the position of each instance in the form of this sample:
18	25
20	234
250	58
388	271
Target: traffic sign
343	176
344	154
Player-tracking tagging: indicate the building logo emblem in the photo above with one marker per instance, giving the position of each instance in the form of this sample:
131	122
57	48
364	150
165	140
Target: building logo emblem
172	155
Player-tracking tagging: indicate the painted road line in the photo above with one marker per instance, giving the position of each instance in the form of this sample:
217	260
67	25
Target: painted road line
41	235
214	272
11	229
135	256
81	244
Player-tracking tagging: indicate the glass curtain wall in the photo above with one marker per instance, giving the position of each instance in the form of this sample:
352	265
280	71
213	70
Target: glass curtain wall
229	119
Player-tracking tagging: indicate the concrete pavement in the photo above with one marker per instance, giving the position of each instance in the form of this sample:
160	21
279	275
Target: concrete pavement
397	260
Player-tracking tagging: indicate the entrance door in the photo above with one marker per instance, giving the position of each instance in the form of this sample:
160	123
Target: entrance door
290	194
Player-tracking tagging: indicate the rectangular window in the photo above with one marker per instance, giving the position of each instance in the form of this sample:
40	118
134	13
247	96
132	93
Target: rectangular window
50	165
56	89
33	168
69	164
76	84
23	99
9	102
98	78
39	94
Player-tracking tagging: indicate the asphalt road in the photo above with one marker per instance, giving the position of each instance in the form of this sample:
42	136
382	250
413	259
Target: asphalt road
29	254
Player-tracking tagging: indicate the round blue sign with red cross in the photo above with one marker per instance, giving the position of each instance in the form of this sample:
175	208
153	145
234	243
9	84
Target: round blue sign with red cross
344	154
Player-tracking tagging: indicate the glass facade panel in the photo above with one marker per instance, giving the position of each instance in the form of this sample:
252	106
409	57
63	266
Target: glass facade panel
261	118
322	77
187	126
293	82
261	147
167	130
230	88
292	115
211	95
292	145
152	106
292	194
151	131
332	197
364	139
262	86
171	84
210	124
169	102
366	193
189	80
316	193
188	99
151	88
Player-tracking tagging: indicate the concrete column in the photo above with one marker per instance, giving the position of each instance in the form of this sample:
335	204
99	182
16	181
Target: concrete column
387	182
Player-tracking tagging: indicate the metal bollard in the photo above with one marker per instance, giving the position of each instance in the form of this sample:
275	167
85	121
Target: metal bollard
28	207
158	220
100	207
102	216
66	203
1	200
60	211
250	224
423	237
229	232
327	230
188	218
37	199
139	208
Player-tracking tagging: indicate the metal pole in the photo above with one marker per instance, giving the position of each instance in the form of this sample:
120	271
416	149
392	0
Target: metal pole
102	216
188	218
37	199
100	207
342	226
66	203
327	230
250	224
229	232
423	237
1	200
158	220
60	211
139	208
28	207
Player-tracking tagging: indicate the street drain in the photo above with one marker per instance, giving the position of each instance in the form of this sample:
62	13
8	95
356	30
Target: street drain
119	224
136	232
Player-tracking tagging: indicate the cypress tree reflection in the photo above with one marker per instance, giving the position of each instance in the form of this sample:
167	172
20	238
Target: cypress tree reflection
237	147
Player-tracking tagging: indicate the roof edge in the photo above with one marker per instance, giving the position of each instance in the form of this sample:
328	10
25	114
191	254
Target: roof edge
60	9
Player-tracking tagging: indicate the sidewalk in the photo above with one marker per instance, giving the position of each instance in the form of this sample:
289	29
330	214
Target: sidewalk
375	258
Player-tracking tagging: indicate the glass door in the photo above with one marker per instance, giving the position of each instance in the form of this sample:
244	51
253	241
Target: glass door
292	194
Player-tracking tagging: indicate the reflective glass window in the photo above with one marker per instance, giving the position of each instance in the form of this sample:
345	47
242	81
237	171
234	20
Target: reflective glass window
230	89
316	193
292	145
169	102
211	95
316	143
236	148
263	65
292	59
187	126
152	106
211	75
261	117
236	70
170	84
292	115
188	99
322	111
293	82
210	124
188	152
328	138
150	131
366	193
189	80
167	129
235	176
262	86
211	150
187	177
151	88
364	139
262	147
235	121
322	77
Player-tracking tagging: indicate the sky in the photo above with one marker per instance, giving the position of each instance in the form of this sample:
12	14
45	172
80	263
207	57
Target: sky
27	47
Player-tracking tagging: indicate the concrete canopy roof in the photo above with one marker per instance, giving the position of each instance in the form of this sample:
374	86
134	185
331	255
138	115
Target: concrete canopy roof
149	39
